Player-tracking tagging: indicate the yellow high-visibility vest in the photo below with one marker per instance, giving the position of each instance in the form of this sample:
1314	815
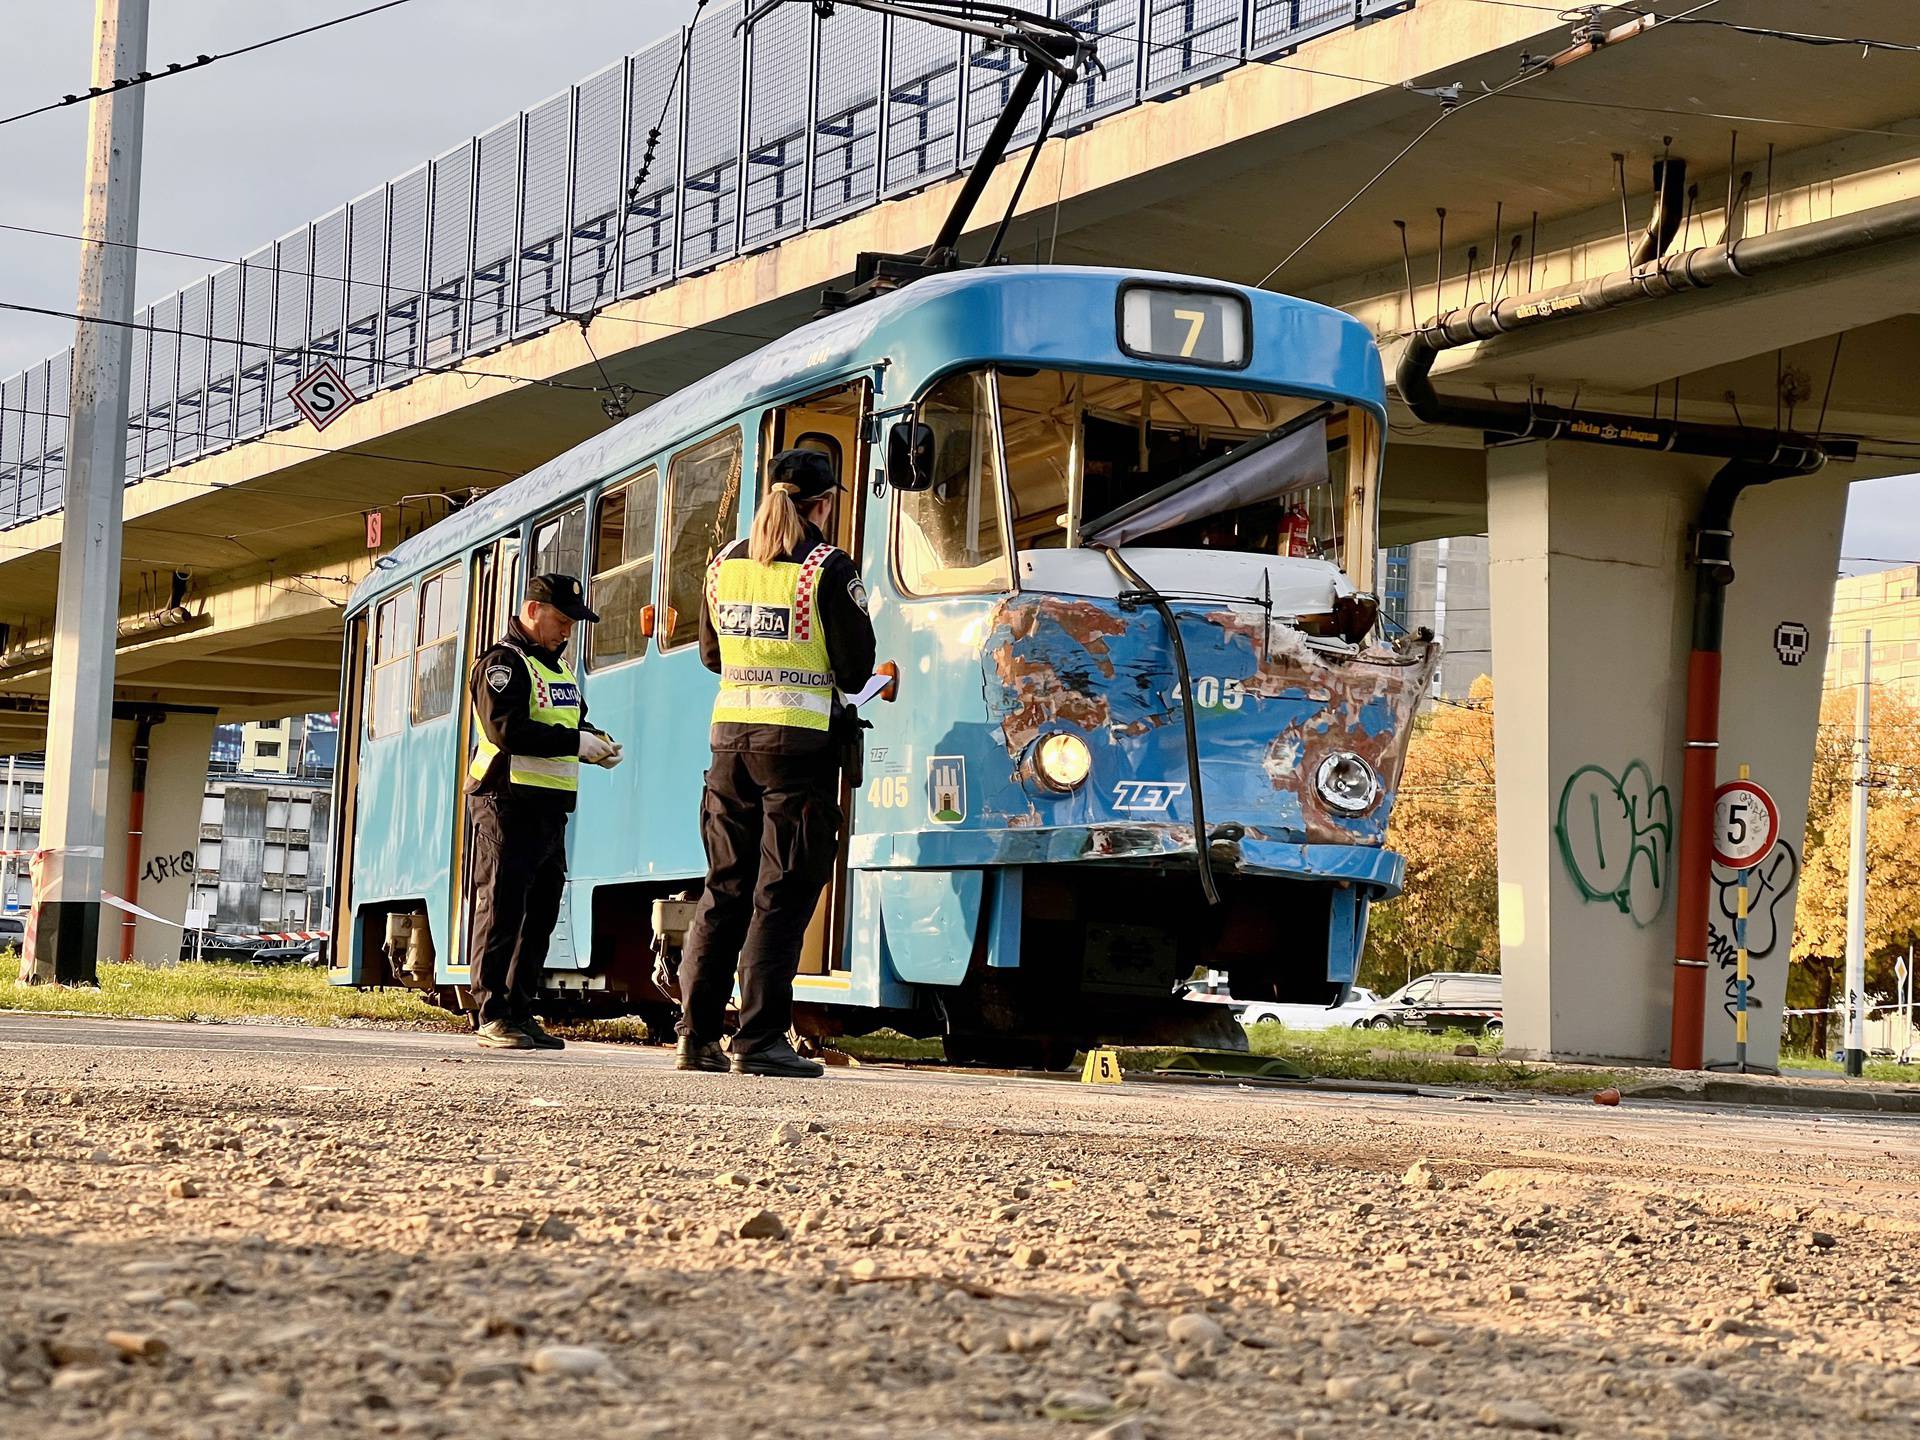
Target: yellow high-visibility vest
774	668
553	700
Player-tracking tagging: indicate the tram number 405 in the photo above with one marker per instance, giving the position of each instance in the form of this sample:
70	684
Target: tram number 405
890	792
1210	692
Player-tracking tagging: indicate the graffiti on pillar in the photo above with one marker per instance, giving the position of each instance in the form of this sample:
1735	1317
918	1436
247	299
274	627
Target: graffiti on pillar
168	867
1791	641
1615	835
1769	917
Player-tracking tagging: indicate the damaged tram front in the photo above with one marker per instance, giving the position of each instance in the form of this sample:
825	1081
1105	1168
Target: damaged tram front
1130	559
1117	534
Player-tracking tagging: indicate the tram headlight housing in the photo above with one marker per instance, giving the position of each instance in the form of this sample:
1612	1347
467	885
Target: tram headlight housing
1347	783
1061	762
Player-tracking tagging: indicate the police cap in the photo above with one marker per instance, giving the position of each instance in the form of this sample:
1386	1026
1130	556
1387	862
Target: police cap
809	472
563	593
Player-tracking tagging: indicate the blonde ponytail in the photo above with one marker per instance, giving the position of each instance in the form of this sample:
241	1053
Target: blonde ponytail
777	526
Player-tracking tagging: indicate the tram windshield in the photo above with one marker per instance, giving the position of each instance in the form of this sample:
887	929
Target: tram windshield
1074	458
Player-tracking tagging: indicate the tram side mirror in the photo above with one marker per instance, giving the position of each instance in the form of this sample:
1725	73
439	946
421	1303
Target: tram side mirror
910	456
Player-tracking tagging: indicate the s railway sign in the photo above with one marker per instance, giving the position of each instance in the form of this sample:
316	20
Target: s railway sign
324	396
1745	824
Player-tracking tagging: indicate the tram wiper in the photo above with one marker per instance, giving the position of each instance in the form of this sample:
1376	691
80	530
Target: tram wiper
1202	841
1245	475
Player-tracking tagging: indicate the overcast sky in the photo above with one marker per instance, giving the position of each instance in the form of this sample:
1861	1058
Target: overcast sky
246	149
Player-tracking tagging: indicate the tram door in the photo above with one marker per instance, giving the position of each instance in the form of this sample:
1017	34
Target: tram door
830	423
493	585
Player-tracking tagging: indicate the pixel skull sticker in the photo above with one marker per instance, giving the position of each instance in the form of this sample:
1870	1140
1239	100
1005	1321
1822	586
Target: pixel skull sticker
1791	641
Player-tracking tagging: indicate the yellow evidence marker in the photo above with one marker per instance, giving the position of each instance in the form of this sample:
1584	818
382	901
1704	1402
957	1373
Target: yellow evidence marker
1102	1068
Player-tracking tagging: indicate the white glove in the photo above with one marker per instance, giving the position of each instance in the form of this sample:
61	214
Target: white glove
613	757
595	747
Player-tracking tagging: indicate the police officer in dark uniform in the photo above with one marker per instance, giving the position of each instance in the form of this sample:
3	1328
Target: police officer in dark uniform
531	722
785	627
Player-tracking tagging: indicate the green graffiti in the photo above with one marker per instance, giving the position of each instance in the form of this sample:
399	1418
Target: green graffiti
1615	836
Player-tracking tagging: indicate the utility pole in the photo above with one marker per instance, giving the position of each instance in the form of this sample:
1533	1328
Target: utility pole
1856	1056
6	843
87	608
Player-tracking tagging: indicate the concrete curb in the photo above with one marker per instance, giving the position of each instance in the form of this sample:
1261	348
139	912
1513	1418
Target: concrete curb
1788	1094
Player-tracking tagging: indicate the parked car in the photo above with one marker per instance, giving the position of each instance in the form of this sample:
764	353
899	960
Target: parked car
1444	1000
307	952
13	932
1359	1006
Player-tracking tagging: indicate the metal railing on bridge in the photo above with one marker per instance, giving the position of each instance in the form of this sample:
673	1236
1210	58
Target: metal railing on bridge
499	237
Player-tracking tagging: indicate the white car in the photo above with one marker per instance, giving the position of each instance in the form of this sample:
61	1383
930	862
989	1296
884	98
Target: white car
1357	1011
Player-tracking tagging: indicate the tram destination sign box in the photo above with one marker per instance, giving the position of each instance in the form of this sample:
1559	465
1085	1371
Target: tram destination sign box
1196	325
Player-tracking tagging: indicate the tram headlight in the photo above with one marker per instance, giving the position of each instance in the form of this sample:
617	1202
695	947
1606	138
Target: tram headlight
1347	783
1061	762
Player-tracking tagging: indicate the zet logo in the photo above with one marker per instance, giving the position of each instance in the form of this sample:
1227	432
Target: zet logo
1151	797
946	789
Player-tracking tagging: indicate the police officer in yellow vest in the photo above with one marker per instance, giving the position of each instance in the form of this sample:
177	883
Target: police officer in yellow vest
785	626
531	723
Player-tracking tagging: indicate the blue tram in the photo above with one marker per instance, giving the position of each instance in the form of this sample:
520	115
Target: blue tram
1118	536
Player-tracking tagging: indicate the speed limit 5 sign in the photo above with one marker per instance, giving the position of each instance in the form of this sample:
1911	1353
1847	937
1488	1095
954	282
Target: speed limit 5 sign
1745	824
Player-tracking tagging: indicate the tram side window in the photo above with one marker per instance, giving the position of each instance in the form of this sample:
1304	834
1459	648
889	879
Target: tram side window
559	544
433	658
622	569
703	507
948	539
392	631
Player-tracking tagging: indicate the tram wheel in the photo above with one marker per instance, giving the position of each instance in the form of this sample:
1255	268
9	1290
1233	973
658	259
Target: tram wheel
1010	1052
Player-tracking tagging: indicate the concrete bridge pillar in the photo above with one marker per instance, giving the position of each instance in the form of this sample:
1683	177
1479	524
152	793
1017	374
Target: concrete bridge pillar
1591	589
166	850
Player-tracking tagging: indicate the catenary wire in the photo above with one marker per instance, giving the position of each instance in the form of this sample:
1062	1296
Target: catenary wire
128	82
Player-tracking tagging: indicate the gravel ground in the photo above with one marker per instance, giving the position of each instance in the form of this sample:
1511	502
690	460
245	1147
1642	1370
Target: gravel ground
220	1232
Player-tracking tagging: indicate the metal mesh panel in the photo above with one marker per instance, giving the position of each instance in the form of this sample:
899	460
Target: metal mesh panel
647	236
33	436
14	422
1188	40
543	216
137	394
223	357
256	329
189	409
53	478
448	283
707	194
1114	28
496	200
366	289
12	442
991	72
777	125
1283	24
923	105
846	125
163	355
405	299
593	223
329	283
291	258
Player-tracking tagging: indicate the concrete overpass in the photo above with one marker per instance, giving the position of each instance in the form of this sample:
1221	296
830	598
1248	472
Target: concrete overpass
1216	147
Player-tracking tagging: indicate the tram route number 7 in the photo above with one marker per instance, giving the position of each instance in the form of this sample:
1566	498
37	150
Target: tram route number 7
1196	323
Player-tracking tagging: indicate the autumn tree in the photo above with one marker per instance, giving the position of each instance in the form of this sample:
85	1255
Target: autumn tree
1447	916
1893	853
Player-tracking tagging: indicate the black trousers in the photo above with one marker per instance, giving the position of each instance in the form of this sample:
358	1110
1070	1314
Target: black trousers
518	872
771	825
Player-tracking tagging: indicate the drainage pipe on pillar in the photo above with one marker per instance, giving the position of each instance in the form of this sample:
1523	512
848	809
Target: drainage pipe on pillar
1712	573
136	822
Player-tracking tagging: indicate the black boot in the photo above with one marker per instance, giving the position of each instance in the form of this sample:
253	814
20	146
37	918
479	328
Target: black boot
692	1054
779	1058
